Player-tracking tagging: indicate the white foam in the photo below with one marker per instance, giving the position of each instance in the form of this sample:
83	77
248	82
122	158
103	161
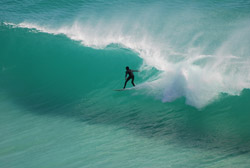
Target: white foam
187	71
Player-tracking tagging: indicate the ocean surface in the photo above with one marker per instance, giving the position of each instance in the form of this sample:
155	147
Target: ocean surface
61	60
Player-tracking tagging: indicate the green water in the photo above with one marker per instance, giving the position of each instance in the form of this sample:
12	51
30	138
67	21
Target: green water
60	62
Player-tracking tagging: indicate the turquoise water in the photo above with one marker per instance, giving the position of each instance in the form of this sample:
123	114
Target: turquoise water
61	60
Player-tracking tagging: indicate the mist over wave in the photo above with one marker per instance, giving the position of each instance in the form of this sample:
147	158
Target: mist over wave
199	55
61	60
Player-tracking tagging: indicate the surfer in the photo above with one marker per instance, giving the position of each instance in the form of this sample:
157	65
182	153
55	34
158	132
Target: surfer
130	74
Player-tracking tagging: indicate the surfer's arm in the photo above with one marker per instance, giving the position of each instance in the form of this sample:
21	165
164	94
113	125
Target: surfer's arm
135	71
126	75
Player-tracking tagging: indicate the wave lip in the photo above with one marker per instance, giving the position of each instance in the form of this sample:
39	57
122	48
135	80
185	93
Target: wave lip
186	71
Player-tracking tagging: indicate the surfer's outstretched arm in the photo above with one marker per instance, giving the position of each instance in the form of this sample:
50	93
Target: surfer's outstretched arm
135	71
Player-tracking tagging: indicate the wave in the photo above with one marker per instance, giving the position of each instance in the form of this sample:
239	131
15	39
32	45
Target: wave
194	62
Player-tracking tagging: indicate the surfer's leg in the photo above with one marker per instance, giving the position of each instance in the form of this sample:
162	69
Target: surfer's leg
133	81
126	82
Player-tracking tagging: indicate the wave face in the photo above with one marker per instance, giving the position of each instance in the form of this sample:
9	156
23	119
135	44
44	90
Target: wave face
198	47
61	60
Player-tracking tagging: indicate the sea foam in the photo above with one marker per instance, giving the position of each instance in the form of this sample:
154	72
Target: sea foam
190	65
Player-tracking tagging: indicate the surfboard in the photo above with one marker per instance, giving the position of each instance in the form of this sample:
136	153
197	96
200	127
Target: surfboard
124	89
119	89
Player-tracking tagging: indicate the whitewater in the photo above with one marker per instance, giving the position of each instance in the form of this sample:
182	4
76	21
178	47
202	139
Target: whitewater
60	62
190	60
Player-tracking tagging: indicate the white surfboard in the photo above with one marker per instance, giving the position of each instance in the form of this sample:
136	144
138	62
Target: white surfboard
119	89
124	89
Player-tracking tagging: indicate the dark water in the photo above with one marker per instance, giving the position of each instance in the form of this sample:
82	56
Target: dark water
60	62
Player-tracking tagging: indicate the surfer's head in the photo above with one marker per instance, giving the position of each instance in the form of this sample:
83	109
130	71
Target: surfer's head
127	68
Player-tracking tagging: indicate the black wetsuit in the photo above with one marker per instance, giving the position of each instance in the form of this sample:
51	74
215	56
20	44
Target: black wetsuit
130	76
